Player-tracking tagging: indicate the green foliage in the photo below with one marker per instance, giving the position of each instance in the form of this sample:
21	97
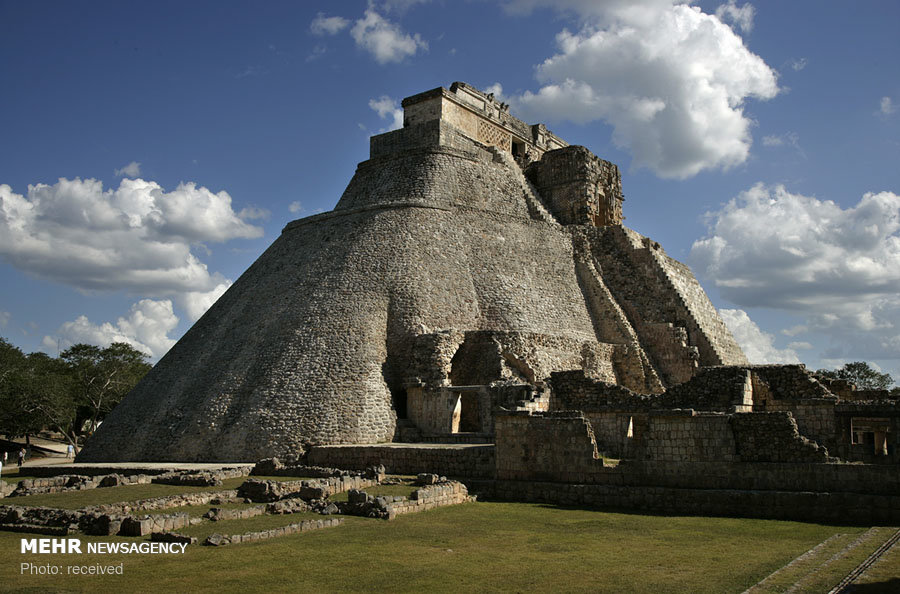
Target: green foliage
65	394
102	377
860	374
20	390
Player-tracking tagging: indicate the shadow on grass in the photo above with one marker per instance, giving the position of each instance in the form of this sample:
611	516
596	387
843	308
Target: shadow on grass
661	514
891	586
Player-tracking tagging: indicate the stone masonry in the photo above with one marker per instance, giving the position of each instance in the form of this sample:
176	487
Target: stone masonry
492	236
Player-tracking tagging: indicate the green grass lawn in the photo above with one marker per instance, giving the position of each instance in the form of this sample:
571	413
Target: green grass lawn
479	547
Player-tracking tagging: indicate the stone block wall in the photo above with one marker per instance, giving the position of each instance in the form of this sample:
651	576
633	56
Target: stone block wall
266	491
480	357
572	390
558	445
687	436
630	366
440	176
724	389
794	389
470	461
575	461
814	417
791	382
707	330
144	525
295	528
834	507
773	437
426	498
432	357
786	389
619	434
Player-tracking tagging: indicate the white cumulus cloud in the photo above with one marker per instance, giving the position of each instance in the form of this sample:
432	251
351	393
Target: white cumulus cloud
146	328
4	318
838	267
759	346
137	237
670	79
742	16
325	25
385	40
887	106
195	303
295	207
133	169
388	109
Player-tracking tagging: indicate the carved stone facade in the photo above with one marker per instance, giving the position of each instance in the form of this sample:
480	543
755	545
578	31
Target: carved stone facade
580	189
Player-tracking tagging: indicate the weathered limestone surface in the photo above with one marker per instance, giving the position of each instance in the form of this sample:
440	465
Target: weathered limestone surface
440	229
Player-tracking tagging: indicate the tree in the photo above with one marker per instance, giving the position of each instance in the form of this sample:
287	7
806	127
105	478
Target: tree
46	396
102	377
65	394
860	374
16	417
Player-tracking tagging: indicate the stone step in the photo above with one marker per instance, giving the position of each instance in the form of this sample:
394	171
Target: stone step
823	567
846	584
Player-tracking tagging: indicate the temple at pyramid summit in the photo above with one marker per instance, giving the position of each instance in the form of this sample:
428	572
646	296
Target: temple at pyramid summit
476	283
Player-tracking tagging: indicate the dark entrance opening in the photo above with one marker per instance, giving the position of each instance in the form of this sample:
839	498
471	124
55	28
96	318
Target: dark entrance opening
398	400
469	417
518	152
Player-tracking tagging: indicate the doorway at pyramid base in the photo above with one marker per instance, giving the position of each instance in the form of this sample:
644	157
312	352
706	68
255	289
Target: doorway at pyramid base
464	414
460	380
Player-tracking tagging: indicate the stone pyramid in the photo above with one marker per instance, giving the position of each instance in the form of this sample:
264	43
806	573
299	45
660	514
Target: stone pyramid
471	249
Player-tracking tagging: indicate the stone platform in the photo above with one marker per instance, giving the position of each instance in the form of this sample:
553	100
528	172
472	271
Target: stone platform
128	468
457	460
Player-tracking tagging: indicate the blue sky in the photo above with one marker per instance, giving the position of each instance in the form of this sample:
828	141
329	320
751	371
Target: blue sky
151	151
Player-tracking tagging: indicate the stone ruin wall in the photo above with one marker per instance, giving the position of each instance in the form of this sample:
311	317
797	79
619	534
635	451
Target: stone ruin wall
833	507
884	410
784	389
523	455
578	187
476	461
663	301
480	357
795	389
556	446
688	436
774	437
